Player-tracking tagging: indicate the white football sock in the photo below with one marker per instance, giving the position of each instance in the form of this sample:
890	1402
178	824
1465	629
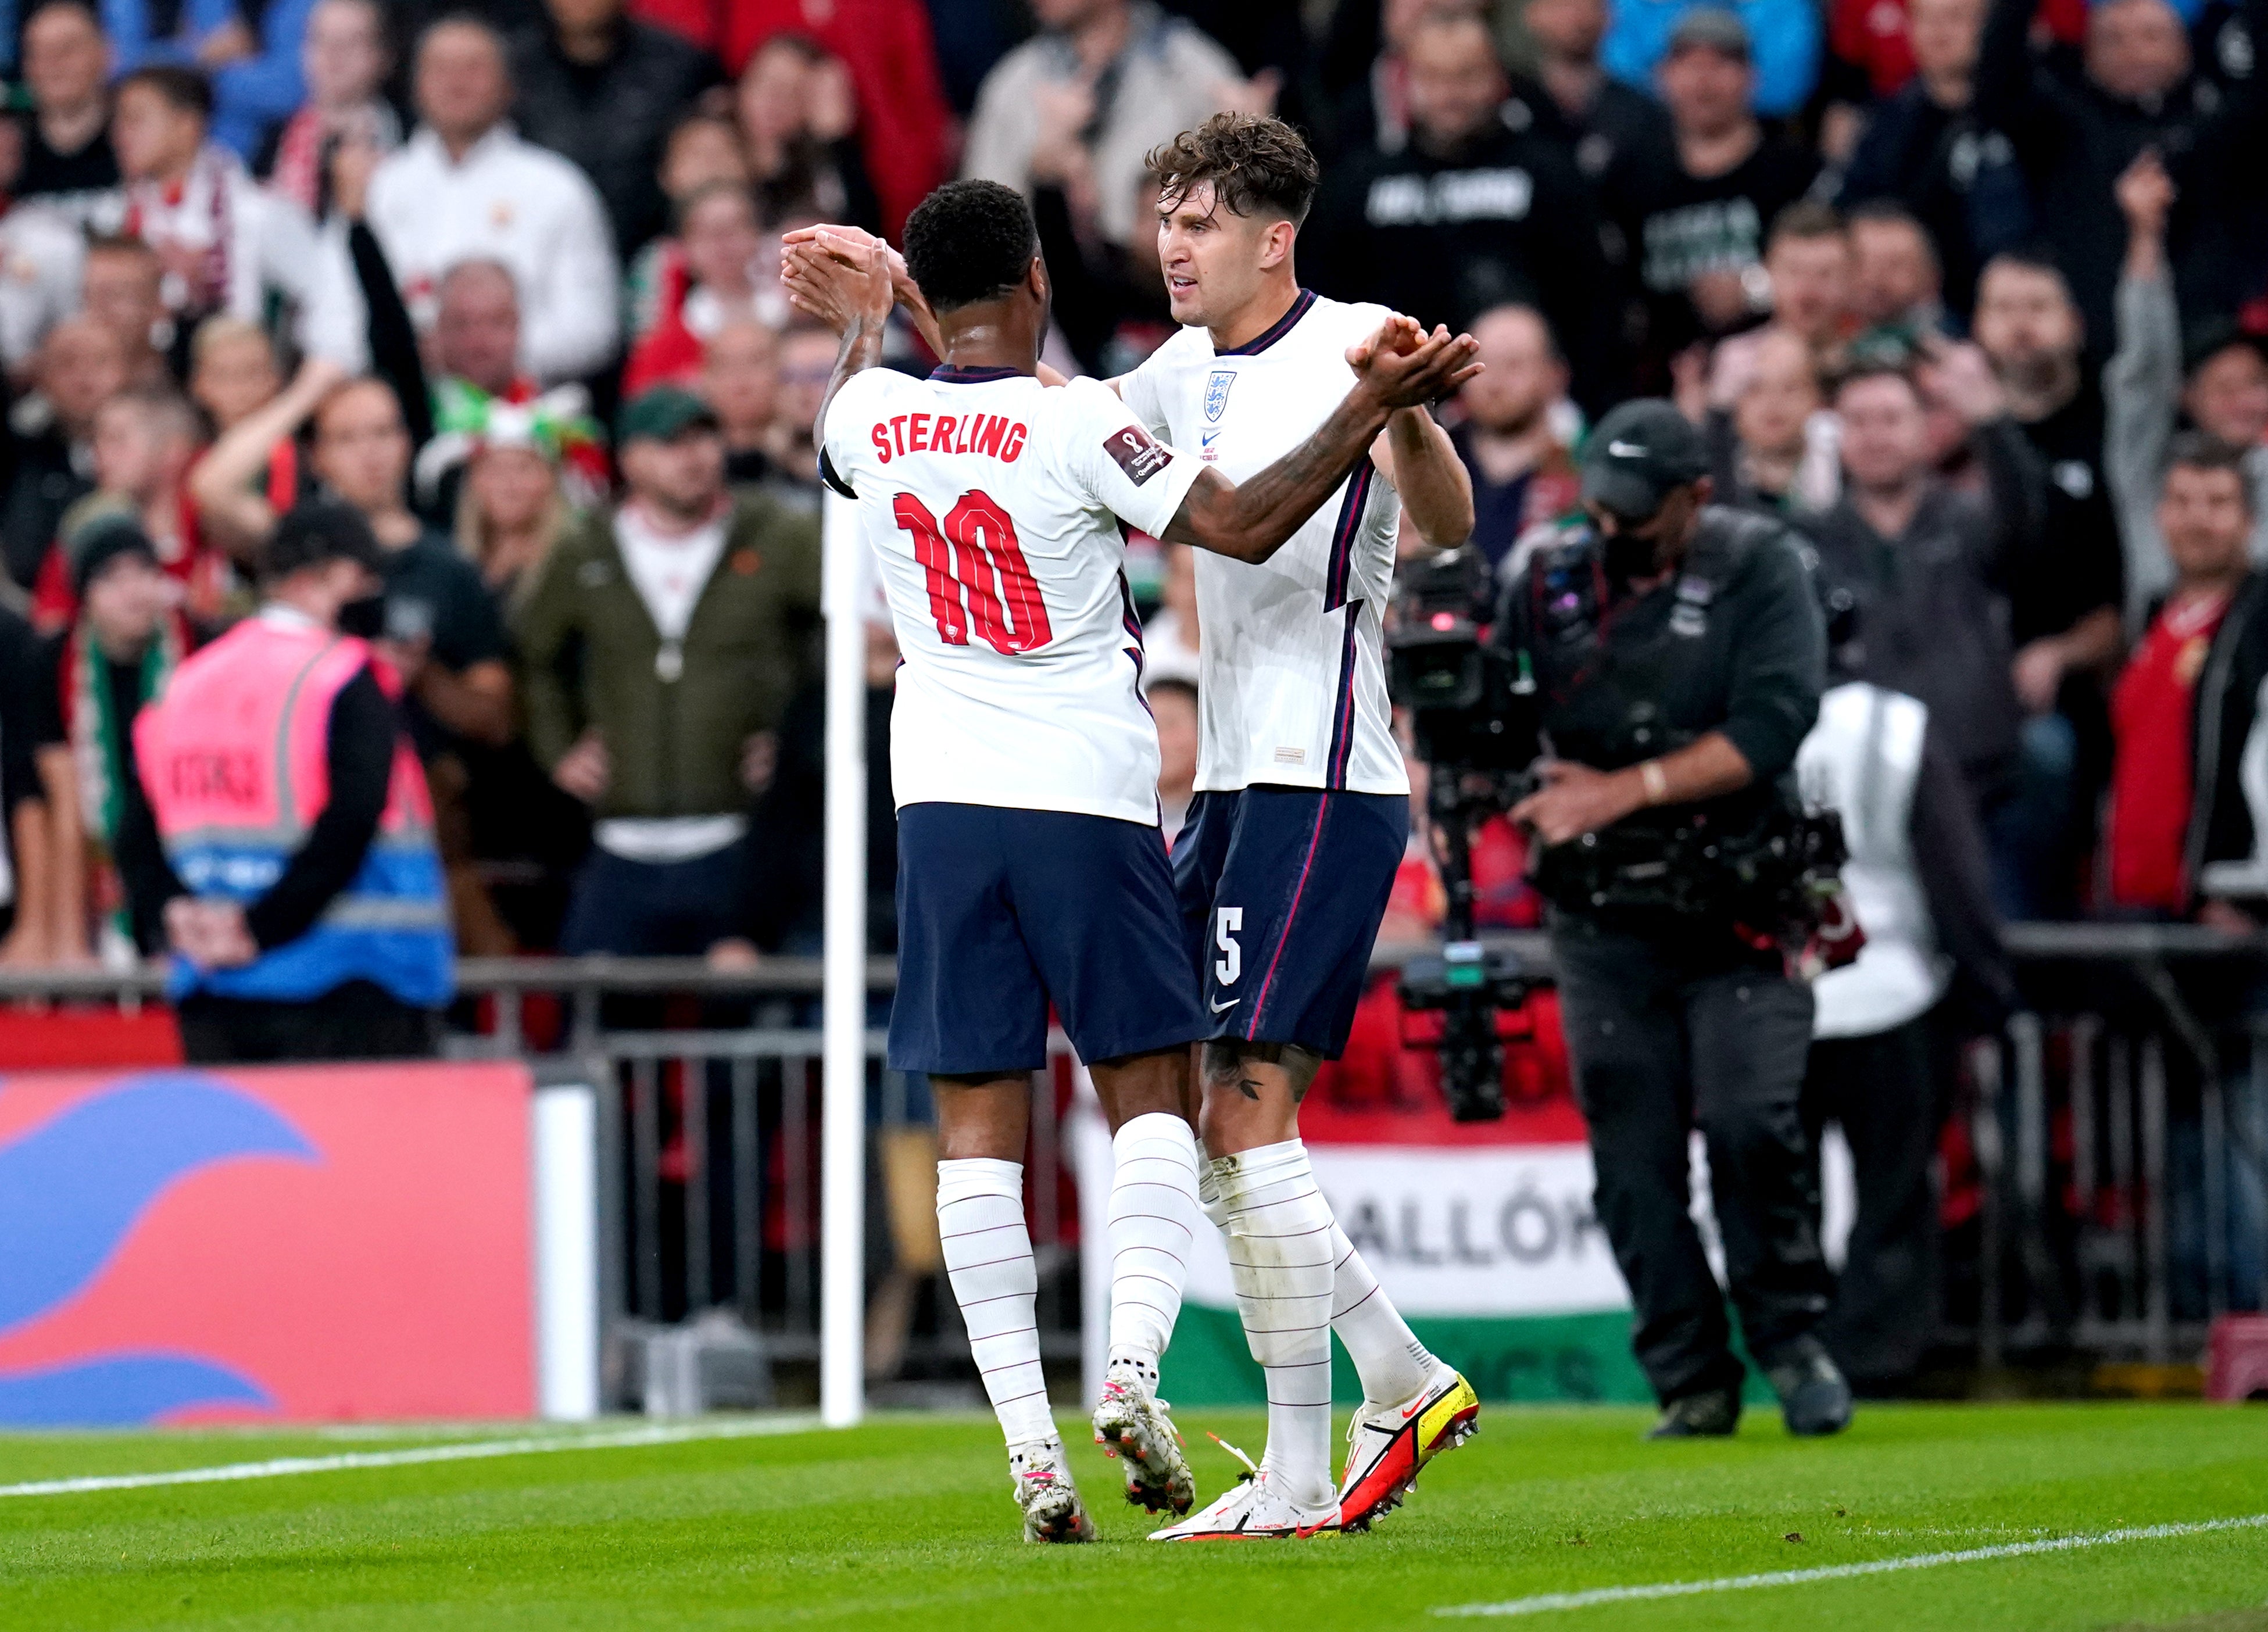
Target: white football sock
1153	1204
1279	1252
988	1256
1387	1357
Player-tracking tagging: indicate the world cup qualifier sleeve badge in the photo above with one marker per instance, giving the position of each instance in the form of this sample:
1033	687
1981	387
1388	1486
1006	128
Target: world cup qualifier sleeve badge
1216	398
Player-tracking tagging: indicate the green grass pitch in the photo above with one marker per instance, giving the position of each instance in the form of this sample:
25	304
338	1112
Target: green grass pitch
907	1523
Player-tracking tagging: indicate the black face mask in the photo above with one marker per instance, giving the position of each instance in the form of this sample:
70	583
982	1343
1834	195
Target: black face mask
1629	556
364	618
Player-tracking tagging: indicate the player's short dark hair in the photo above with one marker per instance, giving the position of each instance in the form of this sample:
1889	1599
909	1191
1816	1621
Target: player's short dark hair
969	241
1258	166
1805	218
182	88
2199	450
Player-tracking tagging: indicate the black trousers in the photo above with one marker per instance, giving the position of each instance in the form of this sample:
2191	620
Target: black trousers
1668	1034
1882	1089
357	1021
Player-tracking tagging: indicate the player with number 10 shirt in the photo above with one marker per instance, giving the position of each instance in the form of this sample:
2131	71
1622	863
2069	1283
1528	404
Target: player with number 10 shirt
1025	764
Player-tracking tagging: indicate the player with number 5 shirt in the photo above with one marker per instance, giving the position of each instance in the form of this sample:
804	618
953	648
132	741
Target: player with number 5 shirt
1031	872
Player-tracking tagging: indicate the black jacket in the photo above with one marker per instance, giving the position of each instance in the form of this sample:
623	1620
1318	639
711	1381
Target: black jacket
612	119
1444	237
1932	622
1959	179
2227	707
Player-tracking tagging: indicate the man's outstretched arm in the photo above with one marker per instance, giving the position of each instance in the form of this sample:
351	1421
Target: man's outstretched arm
1250	522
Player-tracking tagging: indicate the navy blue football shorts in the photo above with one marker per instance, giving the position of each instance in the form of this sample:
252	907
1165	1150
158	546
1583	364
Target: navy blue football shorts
1282	891
1003	912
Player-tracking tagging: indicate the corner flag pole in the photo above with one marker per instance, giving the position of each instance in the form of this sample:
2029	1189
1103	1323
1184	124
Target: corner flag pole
842	1142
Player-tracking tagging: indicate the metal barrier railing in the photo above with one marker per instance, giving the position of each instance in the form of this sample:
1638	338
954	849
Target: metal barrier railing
2106	1184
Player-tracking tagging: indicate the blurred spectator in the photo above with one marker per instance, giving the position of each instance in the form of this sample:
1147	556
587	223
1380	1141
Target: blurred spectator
68	161
1920	558
145	441
2176	799
702	151
1807	273
658	652
1618	137
29	909
43	258
1916	879
807	362
1897	282
2218	379
604	89
1174	705
2073	139
1169	639
740	381
781	903
79	367
250	56
305	909
2064	603
898	102
1523	475
226	245
1121	72
1703	236
345	58
1369	98
114	660
123	288
233	372
717	229
1875	48
1924	148
511	511
1469	215
1773	445
466	187
797	113
1784	34
1108	299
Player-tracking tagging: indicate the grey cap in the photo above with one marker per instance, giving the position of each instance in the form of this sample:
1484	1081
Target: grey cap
1638	453
1712	26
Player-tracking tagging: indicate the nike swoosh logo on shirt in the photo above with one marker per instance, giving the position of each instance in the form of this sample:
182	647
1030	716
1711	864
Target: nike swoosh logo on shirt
1223	1008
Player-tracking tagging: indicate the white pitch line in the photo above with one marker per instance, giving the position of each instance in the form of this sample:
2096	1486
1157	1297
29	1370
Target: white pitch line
283	1467
1843	1572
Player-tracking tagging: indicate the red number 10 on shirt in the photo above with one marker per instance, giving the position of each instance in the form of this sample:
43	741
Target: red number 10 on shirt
962	560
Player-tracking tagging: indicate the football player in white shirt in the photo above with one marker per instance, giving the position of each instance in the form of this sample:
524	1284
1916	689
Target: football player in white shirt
1025	767
1301	816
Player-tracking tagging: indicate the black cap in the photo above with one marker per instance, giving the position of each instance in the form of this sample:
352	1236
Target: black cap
1638	453
101	542
2209	336
320	531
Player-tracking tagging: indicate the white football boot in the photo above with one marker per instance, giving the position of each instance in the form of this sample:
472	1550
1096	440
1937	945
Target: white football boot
1388	1444
1252	1510
1131	1423
1045	1491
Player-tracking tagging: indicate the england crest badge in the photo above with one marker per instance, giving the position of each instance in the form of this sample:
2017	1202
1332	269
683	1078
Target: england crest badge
1217	392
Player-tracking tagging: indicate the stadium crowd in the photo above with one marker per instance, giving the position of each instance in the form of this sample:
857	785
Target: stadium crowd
1973	292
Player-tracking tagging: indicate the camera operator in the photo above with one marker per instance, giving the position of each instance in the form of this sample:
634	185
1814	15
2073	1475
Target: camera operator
1675	656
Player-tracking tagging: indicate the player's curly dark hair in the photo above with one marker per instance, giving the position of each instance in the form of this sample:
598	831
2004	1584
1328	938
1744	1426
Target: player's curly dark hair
969	241
1257	165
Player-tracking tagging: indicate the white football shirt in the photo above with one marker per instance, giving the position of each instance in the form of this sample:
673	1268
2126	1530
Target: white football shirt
993	503
1292	682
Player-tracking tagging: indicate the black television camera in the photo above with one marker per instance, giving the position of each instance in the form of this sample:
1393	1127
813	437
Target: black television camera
1473	718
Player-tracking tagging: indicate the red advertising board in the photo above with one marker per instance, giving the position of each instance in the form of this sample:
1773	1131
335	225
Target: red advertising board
288	1244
